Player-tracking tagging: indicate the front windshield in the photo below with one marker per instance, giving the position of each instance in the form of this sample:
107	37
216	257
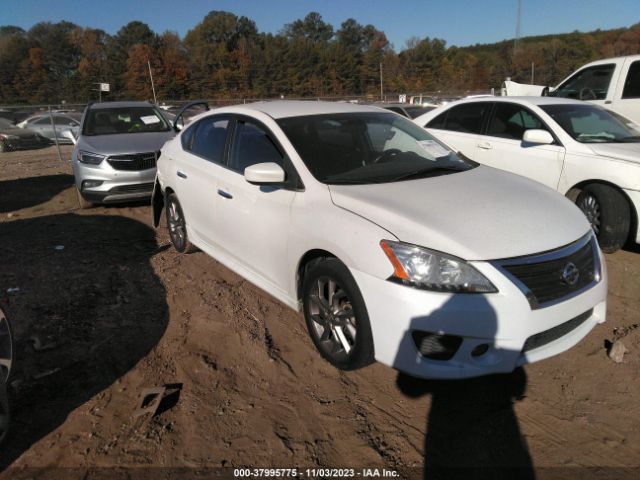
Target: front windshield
363	147
109	121
591	124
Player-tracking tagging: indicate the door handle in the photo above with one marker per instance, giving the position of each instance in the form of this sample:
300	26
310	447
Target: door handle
180	174
485	146
608	102
224	194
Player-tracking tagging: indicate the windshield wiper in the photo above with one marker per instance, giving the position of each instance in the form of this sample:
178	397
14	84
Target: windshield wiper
425	172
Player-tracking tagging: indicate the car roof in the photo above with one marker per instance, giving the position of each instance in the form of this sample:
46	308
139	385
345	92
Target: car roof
103	105
523	99
297	108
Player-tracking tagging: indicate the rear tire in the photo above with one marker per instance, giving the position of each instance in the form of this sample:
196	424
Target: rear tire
608	212
336	315
83	202
177	225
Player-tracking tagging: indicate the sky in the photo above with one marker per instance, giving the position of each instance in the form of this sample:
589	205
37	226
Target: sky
459	22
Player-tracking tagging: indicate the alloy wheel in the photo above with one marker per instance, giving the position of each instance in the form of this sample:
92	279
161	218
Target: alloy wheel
176	224
591	208
334	321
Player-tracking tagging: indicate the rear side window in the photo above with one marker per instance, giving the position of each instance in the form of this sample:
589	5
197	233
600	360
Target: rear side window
510	120
209	138
251	145
632	83
588	84
466	118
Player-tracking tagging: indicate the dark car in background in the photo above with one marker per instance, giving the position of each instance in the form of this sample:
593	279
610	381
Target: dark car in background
406	109
14	138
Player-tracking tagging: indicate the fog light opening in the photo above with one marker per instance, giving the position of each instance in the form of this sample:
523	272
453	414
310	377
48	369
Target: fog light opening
436	346
91	184
480	350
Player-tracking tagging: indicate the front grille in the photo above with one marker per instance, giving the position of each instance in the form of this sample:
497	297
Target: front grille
548	336
544	279
132	162
139	188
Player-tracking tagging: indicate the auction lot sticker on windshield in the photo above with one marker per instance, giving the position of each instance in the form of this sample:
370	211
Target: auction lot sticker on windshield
433	148
149	119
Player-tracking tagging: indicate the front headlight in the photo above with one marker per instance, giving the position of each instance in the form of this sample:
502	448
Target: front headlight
423	268
90	158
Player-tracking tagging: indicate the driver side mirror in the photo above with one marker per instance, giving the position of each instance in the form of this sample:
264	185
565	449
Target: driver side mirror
69	134
537	136
264	173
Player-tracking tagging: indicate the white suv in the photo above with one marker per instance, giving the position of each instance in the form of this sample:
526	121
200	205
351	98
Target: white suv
394	247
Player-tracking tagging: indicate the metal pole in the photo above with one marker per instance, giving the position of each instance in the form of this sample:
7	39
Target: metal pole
152	86
533	69
381	89
55	134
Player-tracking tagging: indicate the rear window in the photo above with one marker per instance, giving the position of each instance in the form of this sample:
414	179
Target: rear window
466	118
110	121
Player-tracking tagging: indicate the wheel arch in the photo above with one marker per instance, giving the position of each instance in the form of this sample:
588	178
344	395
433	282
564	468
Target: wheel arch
573	192
308	257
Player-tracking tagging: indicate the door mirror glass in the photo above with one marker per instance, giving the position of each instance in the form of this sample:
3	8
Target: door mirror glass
264	173
540	137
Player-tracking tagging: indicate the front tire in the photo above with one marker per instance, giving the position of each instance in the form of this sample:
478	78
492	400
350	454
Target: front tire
609	214
177	225
336	315
83	202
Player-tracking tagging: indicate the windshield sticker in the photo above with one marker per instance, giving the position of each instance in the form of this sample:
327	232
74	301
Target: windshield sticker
149	119
433	148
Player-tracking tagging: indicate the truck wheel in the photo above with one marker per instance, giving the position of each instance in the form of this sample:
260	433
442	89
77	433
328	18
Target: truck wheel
608	212
336	315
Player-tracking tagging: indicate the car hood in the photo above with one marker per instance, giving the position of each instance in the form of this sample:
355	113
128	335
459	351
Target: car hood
629	152
480	214
124	142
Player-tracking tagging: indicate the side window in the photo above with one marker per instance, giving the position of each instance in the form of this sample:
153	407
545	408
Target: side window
251	145
467	118
209	138
43	121
63	121
187	137
439	121
511	121
588	84
632	83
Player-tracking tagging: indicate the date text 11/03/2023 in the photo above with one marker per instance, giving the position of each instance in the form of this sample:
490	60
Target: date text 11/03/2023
315	472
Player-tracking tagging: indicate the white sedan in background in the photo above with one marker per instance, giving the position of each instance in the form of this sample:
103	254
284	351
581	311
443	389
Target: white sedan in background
581	150
394	247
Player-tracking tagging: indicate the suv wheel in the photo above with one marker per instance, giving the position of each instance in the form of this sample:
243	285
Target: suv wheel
608	212
336	315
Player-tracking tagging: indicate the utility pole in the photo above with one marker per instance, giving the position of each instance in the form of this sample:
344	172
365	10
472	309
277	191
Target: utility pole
515	41
381	87
533	69
152	86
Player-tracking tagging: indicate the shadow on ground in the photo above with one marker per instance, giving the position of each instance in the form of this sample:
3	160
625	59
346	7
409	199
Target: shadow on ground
29	192
96	307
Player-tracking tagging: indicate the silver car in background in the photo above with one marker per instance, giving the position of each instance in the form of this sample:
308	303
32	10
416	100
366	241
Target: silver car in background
114	159
42	123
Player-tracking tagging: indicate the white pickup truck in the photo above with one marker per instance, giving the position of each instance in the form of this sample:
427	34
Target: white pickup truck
613	83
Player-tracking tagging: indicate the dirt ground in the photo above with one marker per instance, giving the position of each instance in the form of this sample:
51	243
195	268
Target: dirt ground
117	310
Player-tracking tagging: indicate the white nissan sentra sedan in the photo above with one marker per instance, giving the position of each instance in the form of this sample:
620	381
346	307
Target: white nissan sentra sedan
394	247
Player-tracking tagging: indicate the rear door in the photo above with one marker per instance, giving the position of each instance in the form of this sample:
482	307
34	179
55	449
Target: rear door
460	126
255	219
199	168
502	146
627	101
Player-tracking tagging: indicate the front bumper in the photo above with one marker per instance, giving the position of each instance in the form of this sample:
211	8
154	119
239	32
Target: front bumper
503	321
117	185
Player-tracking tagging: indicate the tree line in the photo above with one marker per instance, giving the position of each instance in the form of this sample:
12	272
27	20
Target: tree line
225	56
